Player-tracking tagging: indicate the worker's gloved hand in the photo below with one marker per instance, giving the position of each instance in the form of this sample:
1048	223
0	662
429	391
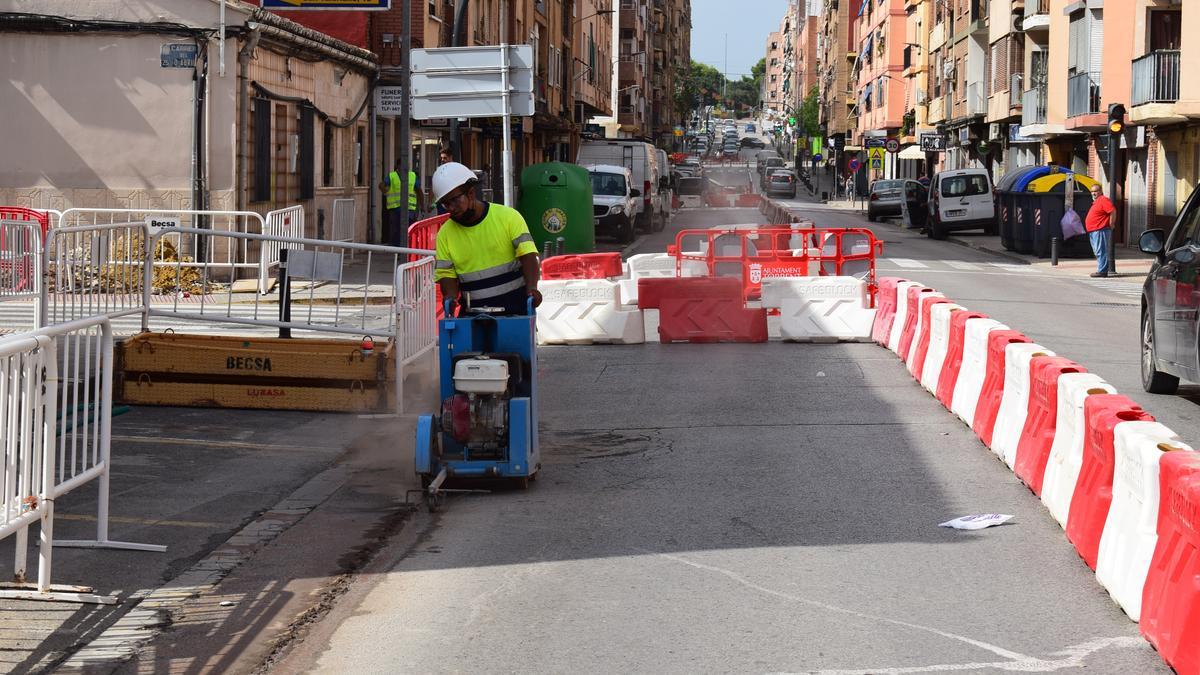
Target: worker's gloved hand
537	297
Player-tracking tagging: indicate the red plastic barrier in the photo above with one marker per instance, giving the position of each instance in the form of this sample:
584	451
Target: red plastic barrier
747	200
582	266
1033	448
1170	617
917	362
702	309
1093	489
910	319
26	214
993	383
954	355
886	312
423	234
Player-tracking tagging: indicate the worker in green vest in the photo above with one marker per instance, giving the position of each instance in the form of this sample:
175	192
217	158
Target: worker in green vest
392	189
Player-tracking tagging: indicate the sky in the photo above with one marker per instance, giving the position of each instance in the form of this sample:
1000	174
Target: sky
747	22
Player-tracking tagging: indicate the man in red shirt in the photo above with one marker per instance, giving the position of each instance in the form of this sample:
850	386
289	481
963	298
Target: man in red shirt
1099	228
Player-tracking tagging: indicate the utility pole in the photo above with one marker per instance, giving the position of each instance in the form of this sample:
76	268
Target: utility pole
405	117
725	75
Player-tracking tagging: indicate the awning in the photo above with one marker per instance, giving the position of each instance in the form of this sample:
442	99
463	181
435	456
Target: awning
911	152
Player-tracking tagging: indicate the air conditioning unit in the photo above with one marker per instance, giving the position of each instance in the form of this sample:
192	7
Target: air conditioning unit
1018	23
994	132
948	69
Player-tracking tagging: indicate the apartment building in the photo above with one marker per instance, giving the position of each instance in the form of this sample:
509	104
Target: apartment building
772	86
805	54
671	44
593	60
878	74
1005	82
915	70
837	50
633	68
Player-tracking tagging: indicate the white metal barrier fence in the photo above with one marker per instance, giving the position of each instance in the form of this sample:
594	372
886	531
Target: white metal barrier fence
342	227
284	223
94	270
416	309
56	426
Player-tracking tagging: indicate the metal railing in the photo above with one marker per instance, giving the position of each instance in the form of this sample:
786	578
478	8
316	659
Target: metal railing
1033	106
342	227
1156	77
416	307
1036	7
1083	95
56	422
95	270
20	259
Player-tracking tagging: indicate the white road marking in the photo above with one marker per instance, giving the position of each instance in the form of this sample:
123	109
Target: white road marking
962	265
1118	287
1072	657
908	263
998	651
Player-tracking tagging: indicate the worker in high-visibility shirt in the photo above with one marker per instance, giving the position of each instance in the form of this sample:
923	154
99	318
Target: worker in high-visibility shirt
485	254
397	229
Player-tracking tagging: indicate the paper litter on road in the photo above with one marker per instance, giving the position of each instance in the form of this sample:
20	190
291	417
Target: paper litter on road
977	521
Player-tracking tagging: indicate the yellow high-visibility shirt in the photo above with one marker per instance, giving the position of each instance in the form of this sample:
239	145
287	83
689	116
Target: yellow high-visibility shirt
483	257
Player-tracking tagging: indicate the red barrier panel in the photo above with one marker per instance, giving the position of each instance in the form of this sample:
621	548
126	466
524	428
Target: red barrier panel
917	363
582	266
954	355
886	312
702	309
24	214
748	200
910	319
1170	617
993	383
1093	489
423	234
1033	448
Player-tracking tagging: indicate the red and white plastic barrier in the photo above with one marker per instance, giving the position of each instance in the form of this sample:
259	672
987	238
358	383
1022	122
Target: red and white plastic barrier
1014	406
1130	532
881	329
974	366
1041	420
1171	595
939	344
1066	451
919	321
904	314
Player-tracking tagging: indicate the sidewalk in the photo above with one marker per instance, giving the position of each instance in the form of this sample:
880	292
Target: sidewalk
1132	265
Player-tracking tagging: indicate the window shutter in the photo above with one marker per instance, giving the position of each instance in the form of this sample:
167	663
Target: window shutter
1095	43
1169	173
306	160
261	189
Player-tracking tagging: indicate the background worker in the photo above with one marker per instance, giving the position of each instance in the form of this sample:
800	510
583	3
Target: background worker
397	229
1099	228
485	254
444	157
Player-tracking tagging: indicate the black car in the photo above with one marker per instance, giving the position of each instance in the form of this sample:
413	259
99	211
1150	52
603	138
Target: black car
1171	303
752	142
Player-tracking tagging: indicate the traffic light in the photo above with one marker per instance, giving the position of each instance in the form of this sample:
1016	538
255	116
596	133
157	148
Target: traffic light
1116	118
792	121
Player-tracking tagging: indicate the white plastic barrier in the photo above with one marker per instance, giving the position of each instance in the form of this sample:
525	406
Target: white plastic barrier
1066	453
974	367
652	265
586	311
1130	532
901	313
939	344
920	328
819	309
1014	406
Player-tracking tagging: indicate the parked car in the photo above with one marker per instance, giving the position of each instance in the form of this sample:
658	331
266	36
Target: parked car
764	166
752	142
781	183
961	200
614	200
750	129
1171	303
647	167
689	167
888	196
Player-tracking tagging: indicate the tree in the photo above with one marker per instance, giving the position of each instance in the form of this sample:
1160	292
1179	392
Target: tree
810	124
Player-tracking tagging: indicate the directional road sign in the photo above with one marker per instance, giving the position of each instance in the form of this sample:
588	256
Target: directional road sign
892	145
466	82
359	5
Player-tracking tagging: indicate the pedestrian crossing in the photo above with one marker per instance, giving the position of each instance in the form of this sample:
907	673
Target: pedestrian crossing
1119	287
19	316
1130	288
960	265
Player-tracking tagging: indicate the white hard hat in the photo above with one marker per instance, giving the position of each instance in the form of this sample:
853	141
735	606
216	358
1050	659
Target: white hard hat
449	176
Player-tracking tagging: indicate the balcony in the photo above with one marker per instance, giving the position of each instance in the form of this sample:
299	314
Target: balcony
1014	90
1037	16
976	101
1083	95
1156	78
1033	107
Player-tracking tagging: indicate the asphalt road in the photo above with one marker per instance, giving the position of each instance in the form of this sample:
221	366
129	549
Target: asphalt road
756	508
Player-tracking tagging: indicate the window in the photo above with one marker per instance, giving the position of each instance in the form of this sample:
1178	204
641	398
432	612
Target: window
359	140
964	186
328	161
306	160
261	134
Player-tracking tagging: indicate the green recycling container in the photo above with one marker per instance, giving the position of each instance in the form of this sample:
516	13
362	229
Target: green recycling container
556	201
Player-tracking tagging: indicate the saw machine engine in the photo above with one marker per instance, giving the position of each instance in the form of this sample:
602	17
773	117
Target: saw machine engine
477	414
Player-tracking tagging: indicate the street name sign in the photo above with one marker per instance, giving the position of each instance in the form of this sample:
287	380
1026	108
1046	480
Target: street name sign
875	142
389	101
178	55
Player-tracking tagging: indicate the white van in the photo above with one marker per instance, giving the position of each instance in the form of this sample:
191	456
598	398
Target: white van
961	200
641	158
613	200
